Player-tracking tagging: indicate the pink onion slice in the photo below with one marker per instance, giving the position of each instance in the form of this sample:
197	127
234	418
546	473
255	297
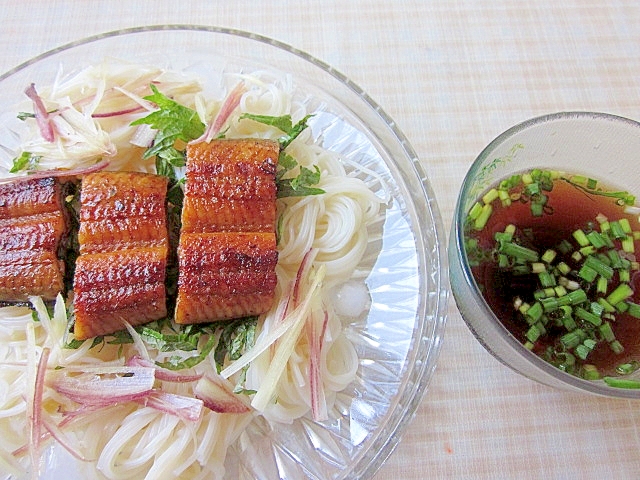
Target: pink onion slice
104	386
145	104
230	104
116	113
42	116
217	395
187	408
163	374
302	272
63	440
72	172
35	415
316	342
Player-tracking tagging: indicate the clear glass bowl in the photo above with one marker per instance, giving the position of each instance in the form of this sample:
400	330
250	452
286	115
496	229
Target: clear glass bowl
399	340
599	145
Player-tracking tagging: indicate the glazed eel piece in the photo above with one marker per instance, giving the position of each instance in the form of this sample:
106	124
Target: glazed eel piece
120	272
33	225
227	251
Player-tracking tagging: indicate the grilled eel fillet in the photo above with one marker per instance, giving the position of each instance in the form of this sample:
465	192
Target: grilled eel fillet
120	272
227	251
32	226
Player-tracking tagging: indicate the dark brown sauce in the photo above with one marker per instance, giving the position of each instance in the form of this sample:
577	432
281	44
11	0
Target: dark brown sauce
569	208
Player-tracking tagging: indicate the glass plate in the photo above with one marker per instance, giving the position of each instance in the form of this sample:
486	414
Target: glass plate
398	341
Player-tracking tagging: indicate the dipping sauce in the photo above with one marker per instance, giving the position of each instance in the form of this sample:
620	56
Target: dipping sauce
555	257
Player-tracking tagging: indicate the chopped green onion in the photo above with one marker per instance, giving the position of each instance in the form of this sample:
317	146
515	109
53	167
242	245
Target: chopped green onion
546	279
572	285
617	347
578	179
627	368
587	250
634	309
560	291
538	267
590	372
539	294
533	334
577	296
537	209
565	246
475	211
622	292
504	197
614	256
607	332
483	218
588	316
521	270
596	308
628	244
606	305
549	256
534	313
596	239
625	275
602	285
567	319
563	268
606	238
581	238
587	273
515	180
532	189
490	196
515	250
582	351
549	304
617	230
572	339
567	361
622	307
621	382
564	300
599	266
625	225
501	237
